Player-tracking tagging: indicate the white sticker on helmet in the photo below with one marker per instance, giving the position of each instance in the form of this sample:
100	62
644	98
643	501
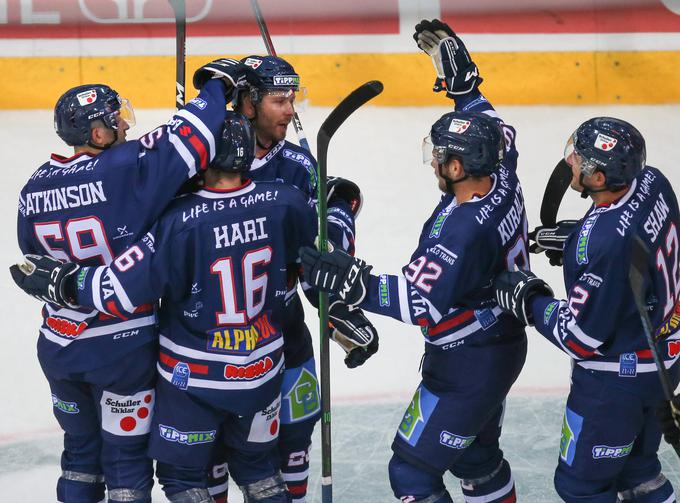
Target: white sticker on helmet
604	142
459	126
87	97
253	62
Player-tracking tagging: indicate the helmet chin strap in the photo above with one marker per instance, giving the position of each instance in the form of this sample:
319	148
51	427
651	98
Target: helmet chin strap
449	183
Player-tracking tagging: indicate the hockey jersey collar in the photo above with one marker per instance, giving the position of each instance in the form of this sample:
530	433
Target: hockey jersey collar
64	162
258	163
620	201
210	193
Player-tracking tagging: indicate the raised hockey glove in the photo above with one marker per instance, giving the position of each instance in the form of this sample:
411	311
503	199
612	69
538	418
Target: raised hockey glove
47	279
336	273
346	190
514	291
668	414
550	239
232	71
353	332
457	74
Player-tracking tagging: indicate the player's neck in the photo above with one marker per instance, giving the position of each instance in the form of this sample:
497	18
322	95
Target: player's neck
467	189
215	179
607	197
87	149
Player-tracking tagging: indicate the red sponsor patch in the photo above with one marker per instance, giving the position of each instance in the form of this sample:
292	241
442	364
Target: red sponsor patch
62	326
673	348
249	372
185	130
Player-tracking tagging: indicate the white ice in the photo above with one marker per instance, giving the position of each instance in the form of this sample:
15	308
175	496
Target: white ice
380	149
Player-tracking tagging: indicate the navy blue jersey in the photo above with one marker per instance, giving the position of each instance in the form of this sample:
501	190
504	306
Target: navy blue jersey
219	262
88	209
446	286
290	164
598	324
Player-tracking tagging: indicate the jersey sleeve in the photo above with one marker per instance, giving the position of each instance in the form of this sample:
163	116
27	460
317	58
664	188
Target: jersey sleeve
341	229
583	322
432	286
24	230
140	275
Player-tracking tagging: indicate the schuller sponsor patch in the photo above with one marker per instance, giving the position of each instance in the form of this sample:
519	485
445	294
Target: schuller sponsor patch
127	415
265	425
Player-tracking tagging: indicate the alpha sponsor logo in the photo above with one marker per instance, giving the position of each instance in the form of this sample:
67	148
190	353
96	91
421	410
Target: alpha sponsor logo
455	441
67	407
417	415
186	437
86	97
604	451
671	324
549	312
286	80
628	364
438	224
244	339
583	238
604	142
459	126
248	372
65	327
302	396
383	290
571	430
199	103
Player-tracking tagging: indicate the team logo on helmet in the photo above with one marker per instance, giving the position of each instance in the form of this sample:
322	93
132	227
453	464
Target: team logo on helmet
87	97
252	62
459	126
604	142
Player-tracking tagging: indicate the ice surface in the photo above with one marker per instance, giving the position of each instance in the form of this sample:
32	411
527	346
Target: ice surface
380	149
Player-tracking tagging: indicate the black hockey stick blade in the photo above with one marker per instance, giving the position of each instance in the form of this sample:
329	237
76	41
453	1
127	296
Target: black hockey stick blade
345	108
636	277
554	191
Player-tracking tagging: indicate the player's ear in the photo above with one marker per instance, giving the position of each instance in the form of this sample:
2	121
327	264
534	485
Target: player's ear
246	106
598	179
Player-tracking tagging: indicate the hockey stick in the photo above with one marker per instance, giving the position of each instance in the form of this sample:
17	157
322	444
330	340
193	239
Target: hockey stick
340	113
636	277
179	9
302	137
554	191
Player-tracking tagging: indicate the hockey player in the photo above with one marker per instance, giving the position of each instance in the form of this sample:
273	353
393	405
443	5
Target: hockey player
610	436
219	260
473	351
268	101
87	208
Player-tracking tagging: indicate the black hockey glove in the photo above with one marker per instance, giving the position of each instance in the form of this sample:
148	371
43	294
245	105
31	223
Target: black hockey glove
47	279
346	190
514	290
668	414
336	273
353	332
551	240
232	71
457	74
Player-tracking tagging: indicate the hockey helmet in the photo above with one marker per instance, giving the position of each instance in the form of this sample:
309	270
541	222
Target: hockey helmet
473	137
236	146
270	75
80	106
610	145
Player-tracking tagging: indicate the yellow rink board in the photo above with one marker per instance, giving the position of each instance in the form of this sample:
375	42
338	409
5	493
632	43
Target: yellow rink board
510	78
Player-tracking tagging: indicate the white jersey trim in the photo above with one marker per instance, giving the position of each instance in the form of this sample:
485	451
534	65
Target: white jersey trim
198	123
404	311
491	496
89	333
463	332
225	195
236	385
183	151
615	366
71	314
221	358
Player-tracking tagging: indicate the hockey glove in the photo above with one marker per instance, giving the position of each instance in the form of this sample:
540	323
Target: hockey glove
514	290
47	279
232	71
336	273
457	74
353	332
551	240
346	190
668	415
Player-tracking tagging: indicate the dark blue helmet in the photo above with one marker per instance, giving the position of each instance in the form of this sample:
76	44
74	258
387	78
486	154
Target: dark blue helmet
77	108
267	74
473	137
236	147
612	146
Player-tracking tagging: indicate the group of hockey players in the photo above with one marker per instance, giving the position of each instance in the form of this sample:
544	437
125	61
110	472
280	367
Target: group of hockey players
214	214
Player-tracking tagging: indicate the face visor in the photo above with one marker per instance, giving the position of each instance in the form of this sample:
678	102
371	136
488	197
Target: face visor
574	158
432	152
122	110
